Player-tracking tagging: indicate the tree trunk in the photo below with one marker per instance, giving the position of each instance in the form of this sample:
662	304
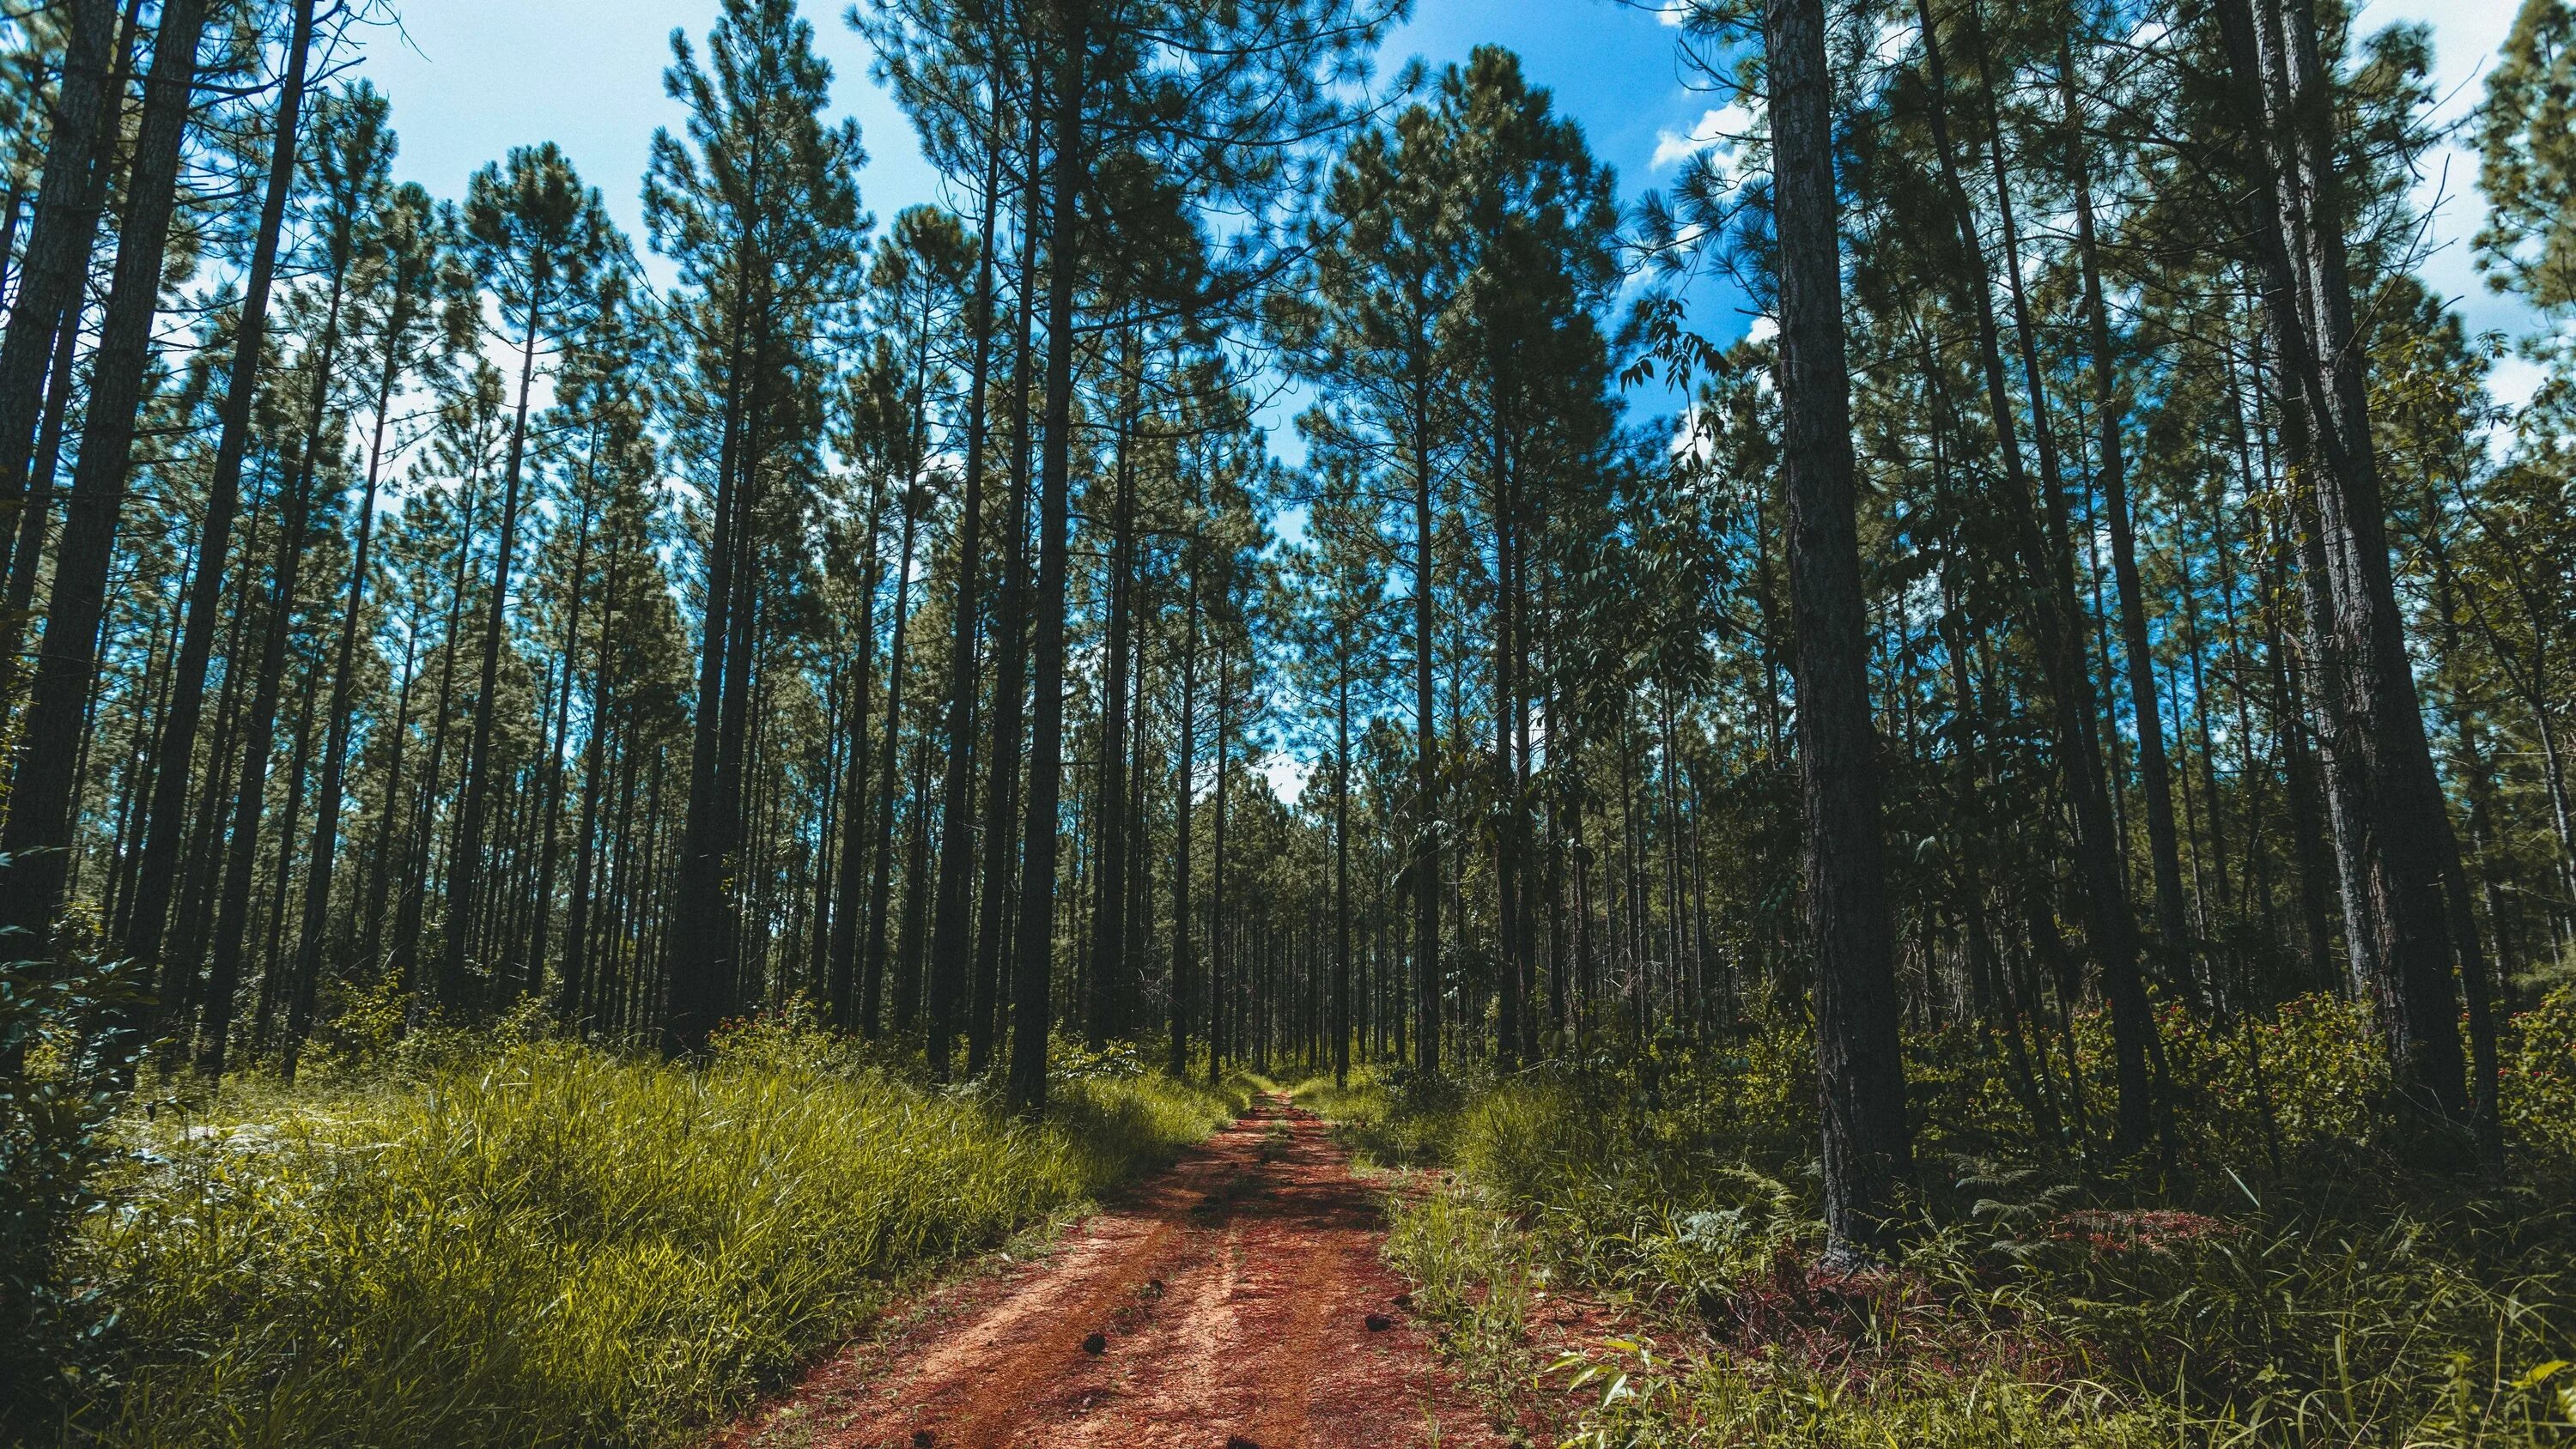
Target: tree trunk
950	945
1031	1008
699	937
1217	981
83	133
2057	618
38	836
881	883
2111	474
25	556
1867	1147
232	910
371	935
326	821
1184	935
1002	793
1341	867
1109	822
1425	869
849	901
465	870
2392	831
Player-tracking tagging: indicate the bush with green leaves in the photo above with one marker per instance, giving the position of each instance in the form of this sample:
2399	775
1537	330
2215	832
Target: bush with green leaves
62	1073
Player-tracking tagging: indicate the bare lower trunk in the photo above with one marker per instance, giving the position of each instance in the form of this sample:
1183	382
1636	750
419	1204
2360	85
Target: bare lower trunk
1867	1147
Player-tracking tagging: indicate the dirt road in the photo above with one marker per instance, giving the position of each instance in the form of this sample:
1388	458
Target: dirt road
1235	1302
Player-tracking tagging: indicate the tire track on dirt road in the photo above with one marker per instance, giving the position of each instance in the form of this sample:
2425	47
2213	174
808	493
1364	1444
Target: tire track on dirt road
1236	1301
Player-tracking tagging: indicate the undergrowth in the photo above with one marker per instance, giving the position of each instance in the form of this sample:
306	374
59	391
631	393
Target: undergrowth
2281	1276
536	1243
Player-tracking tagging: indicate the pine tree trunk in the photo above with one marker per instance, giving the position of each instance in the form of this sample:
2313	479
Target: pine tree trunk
694	951
326	821
1508	1024
917	887
274	971
2056	619
1425	870
1341	868
250	798
25	555
1031	1007
553	763
2392	830
1867	1152
1184	929
380	854
415	895
85	115
881	881
465	868
950	943
2155	774
1217	979
204	852
28	555
720	983
1010	687
38	836
1109	822
570	1002
849	900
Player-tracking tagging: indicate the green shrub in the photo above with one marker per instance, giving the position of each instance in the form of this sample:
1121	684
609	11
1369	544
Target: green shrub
62	1063
2538	1077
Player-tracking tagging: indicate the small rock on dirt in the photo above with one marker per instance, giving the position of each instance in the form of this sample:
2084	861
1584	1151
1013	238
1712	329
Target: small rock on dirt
1097	1343
1379	1323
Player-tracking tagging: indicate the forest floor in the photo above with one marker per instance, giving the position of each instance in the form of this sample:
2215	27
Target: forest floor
1236	1301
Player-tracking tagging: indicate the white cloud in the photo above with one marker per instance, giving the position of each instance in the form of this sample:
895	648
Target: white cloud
1894	34
1287	776
2513	380
1687	441
2466	37
1719	129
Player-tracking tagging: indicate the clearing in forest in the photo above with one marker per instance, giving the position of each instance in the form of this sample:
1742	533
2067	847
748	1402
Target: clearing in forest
1237	1301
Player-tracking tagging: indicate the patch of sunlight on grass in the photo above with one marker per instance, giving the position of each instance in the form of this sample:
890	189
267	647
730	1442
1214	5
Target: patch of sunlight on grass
547	1244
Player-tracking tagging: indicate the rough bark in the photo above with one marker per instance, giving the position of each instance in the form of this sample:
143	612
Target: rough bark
1867	1146
37	837
1035	956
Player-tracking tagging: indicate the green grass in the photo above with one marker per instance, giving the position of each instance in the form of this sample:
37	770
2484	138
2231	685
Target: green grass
544	1244
2292	1282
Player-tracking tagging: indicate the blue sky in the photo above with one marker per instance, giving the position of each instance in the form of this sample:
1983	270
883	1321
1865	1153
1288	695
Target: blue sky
471	78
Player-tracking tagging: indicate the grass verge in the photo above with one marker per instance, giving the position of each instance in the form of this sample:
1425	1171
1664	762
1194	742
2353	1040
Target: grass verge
545	1244
1626	1254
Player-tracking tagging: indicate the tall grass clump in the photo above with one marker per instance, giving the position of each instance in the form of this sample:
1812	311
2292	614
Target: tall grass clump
2281	1272
544	1243
1386	1114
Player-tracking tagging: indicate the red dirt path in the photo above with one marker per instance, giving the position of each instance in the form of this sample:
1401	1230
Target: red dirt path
1232	1295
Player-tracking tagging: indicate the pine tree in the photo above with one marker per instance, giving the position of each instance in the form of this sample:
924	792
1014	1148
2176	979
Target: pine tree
1866	1148
537	238
760	206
